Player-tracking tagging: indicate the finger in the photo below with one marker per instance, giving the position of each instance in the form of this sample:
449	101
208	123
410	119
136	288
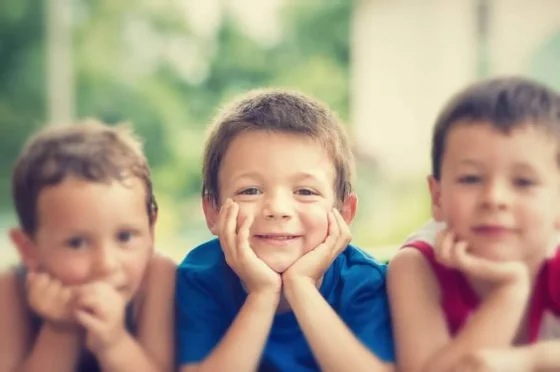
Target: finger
52	289
333	234
37	282
459	256
230	227
222	217
92	303
89	321
443	249
344	230
243	234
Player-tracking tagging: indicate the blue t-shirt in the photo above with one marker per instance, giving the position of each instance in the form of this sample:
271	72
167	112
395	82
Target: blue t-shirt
209	295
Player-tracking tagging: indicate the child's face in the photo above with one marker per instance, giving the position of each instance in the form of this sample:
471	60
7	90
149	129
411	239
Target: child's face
500	192
92	231
286	182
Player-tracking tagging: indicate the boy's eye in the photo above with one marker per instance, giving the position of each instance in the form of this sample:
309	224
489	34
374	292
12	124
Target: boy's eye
305	192
124	236
469	179
76	242
250	191
524	182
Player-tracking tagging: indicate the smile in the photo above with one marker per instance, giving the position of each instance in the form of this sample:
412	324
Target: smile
277	237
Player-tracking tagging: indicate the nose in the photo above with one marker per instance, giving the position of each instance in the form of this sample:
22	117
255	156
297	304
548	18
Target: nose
106	260
277	205
496	195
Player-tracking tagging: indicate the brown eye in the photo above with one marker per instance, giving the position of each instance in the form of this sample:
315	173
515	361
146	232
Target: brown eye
124	236
76	242
305	192
250	191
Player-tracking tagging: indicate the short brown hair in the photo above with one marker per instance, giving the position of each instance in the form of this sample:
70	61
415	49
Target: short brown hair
505	103
89	150
277	111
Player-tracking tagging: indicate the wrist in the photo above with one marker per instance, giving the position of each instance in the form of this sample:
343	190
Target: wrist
264	298
111	352
297	285
63	329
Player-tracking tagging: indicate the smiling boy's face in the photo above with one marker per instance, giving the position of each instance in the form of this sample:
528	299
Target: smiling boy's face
286	182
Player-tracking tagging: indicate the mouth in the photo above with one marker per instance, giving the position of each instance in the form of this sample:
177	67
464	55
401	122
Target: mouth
277	239
492	230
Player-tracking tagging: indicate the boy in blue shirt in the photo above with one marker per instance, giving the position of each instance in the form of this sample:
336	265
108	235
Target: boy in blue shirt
280	289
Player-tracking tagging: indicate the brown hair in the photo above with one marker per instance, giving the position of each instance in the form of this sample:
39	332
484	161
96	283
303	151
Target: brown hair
277	111
90	150
505	103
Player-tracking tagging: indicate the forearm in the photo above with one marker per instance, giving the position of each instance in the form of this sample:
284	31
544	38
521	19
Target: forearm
241	347
543	356
54	350
492	326
341	350
127	355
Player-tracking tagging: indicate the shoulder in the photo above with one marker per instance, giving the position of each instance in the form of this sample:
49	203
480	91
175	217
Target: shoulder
15	326
158	286
206	256
11	287
160	272
426	233
353	262
204	269
355	276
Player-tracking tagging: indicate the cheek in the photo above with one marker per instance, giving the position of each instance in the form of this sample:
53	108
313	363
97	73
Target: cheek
69	270
315	222
245	210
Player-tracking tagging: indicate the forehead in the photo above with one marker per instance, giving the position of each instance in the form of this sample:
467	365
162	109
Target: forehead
80	203
276	154
482	141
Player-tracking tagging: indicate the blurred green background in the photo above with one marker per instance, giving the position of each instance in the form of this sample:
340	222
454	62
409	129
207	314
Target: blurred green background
166	66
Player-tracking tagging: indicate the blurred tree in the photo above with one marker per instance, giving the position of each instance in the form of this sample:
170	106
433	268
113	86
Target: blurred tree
141	61
22	61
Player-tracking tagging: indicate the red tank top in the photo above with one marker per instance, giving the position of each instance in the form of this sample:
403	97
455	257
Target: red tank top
458	299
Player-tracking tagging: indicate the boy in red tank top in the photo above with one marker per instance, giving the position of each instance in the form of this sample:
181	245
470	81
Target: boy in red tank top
486	288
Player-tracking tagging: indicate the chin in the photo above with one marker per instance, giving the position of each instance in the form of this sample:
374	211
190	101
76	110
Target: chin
280	266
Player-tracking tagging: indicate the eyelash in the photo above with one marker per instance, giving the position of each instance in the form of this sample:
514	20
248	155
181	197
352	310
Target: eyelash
251	191
519	182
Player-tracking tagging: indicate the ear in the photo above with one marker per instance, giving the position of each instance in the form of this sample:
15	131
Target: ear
211	213
153	222
435	194
25	247
349	208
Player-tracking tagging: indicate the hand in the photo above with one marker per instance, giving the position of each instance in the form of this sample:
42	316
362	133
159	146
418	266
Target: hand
100	309
253	272
50	299
454	253
506	360
313	264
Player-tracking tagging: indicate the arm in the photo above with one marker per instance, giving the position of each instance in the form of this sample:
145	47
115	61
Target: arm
539	357
423	340
56	347
242	346
315	315
153	349
543	356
